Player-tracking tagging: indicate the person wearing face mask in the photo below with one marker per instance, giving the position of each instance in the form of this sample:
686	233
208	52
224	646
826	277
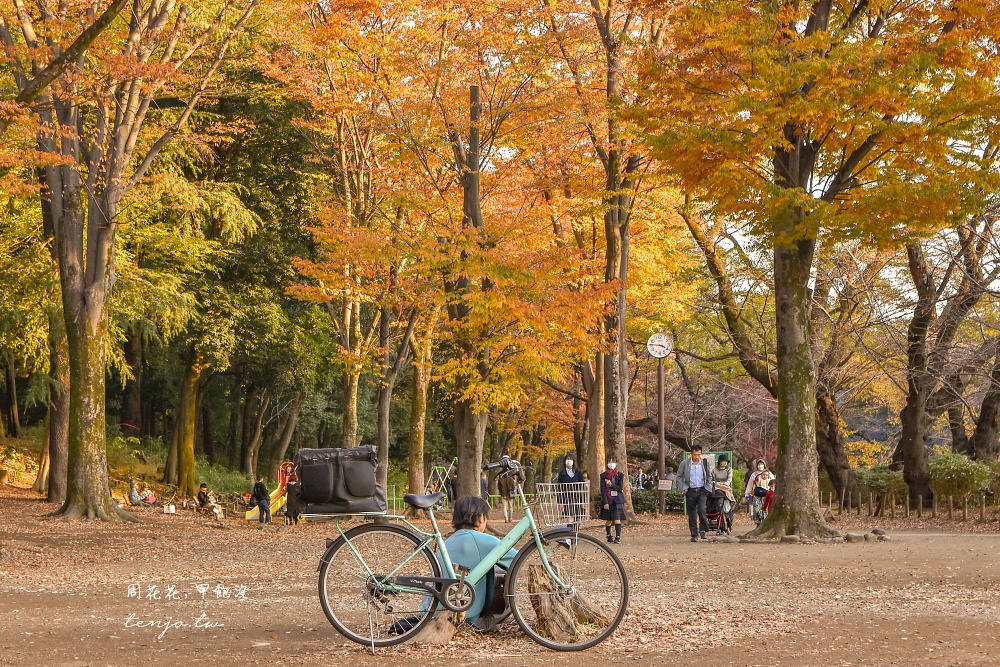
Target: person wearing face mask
695	479
757	482
570	475
613	499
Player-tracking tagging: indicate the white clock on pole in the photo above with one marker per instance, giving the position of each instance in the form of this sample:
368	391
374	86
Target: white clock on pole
660	345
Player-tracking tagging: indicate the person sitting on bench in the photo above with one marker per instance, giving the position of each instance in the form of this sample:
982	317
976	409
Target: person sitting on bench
206	501
134	498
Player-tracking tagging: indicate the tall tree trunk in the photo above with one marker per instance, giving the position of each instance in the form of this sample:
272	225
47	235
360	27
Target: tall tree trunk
470	433
262	401
186	423
287	430
58	419
956	424
235	398
350	429
391	366
13	413
41	484
593	379
171	467
131	421
984	444
796	502
830	446
249	398
208	435
422	359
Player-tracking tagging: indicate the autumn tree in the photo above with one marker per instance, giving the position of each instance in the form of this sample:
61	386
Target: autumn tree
819	121
92	120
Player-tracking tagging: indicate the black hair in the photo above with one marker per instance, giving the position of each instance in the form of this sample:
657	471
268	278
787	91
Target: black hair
468	512
612	457
695	447
203	486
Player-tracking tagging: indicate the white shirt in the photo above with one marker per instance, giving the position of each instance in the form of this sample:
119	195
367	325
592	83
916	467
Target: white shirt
697	473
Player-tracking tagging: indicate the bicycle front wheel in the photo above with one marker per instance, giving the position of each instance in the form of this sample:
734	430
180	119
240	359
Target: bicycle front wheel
570	619
355	594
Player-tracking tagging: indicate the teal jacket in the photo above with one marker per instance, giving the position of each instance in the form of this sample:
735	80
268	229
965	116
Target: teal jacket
469	548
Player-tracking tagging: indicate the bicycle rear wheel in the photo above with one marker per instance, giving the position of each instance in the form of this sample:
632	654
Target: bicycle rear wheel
356	599
568	620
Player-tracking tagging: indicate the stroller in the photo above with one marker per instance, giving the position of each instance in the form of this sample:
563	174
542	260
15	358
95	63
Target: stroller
719	512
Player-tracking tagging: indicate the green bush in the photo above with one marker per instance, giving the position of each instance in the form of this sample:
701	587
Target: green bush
648	502
220	479
739	482
958	475
881	480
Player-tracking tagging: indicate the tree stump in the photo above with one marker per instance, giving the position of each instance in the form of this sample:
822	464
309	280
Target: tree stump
560	616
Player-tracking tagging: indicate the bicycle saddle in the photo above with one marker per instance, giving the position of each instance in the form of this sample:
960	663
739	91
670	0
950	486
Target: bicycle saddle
423	502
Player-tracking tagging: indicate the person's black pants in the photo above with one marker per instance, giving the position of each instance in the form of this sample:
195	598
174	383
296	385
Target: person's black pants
696	499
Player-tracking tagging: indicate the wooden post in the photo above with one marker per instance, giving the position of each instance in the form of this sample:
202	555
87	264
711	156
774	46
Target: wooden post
920	507
906	506
871	504
859	502
892	505
934	506
965	508
830	502
982	508
951	506
840	507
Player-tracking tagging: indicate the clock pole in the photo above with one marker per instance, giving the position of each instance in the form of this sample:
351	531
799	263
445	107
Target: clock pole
659	433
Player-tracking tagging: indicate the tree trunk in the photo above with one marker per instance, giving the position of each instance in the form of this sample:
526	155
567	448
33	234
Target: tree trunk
350	431
87	494
391	366
186	423
208	435
263	401
830	446
956	424
470	431
131	419
13	413
422	359
171	467
984	444
594	383
235	437
796	502
288	425
58	419
41	484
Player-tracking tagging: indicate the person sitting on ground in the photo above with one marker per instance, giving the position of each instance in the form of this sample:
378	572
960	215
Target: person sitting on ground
206	501
468	546
768	498
148	498
133	495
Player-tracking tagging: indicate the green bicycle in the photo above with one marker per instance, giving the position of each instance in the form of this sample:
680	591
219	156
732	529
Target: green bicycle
381	583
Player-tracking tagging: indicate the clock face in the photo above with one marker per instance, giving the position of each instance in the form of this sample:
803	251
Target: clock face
660	345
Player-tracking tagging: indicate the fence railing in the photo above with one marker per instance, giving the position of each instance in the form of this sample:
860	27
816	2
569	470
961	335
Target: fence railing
887	504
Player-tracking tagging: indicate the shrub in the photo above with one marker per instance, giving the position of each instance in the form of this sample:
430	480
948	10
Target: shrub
739	482
220	479
648	502
882	480
958	475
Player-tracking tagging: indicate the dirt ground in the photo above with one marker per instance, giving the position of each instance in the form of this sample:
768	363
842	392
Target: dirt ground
929	596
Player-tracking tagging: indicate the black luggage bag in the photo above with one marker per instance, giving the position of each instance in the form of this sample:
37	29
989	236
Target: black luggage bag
340	481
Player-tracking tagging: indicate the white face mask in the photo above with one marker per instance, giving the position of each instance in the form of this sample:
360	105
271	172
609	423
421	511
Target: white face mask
569	465
760	466
612	466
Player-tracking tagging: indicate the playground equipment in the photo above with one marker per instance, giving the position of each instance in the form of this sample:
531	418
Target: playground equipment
278	496
439	477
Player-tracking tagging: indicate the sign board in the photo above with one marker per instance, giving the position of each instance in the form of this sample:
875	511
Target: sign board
665	485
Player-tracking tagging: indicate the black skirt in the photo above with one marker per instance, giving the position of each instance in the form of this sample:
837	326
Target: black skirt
616	512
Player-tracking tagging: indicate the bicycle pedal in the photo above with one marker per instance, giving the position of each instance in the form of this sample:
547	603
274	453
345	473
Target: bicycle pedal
461	569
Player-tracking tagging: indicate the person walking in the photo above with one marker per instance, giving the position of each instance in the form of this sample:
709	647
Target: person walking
263	497
757	483
695	479
722	476
613	499
506	487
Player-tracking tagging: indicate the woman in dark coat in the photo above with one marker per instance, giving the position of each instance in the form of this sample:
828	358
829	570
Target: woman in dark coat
613	499
293	504
569	497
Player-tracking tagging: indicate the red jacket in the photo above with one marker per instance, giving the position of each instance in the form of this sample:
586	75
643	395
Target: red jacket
768	499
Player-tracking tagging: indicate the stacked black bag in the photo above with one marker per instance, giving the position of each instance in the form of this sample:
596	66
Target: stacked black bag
340	481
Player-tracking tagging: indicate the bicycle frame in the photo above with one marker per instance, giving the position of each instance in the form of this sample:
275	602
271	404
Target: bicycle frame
525	525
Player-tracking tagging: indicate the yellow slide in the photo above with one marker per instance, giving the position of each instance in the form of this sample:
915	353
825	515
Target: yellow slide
277	502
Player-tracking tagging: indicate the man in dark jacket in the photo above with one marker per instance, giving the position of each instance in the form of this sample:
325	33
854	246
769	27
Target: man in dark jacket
695	479
263	497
